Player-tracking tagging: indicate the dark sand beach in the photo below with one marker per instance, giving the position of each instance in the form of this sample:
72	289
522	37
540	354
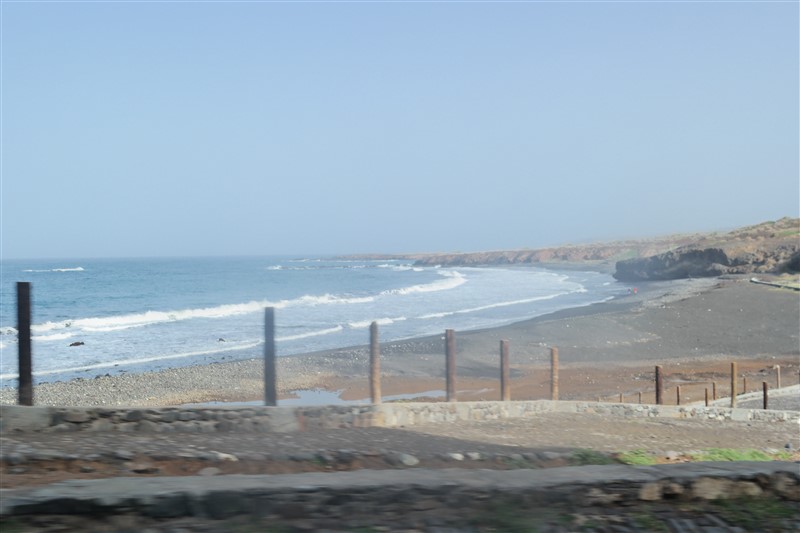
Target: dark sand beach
693	328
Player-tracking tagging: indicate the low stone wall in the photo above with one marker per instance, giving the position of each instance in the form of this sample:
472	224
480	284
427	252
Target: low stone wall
412	498
288	419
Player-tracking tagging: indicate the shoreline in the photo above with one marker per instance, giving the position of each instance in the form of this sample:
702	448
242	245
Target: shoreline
605	349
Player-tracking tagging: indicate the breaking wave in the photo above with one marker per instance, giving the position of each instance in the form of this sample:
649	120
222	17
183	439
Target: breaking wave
75	269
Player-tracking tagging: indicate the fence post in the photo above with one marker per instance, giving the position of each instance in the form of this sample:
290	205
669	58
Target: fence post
659	386
554	373
678	395
706	396
733	385
505	374
450	364
778	372
640	397
744	384
765	386
25	391
270	374
714	390
374	364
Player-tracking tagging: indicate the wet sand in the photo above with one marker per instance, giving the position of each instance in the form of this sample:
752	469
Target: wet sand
693	328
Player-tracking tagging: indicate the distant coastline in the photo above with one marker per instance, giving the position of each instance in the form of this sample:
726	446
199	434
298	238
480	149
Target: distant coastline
768	248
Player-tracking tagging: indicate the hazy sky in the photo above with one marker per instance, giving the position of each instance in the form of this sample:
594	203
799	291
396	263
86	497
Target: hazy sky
216	128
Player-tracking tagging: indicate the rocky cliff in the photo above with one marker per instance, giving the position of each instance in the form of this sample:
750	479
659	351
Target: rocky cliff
600	254
770	247
767	247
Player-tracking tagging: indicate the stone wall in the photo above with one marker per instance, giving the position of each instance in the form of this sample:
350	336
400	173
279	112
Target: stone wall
417	498
288	419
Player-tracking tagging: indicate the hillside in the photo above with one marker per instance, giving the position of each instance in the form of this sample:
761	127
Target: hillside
770	247
767	247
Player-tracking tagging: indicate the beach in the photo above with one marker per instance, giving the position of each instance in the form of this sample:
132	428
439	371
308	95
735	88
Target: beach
693	328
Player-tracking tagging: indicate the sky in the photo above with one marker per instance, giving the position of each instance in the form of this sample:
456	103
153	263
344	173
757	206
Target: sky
258	128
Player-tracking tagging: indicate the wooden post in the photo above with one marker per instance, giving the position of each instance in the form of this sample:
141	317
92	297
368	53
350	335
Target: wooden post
659	386
714	390
374	364
706	396
554	373
640	397
505	374
620	397
450	364
733	384
744	384
25	391
678	395
765	387
270	374
778	376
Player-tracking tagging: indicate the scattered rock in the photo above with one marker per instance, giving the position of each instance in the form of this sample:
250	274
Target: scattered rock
125	455
142	468
219	456
404	459
76	416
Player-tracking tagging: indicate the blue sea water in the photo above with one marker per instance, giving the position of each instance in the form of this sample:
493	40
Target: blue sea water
135	315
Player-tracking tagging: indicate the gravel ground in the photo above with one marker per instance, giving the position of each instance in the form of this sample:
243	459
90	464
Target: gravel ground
33	458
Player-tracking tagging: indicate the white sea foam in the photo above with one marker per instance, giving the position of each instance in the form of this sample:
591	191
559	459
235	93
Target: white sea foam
317	333
452	279
122	322
381	322
74	269
325	299
53	337
493	306
124	362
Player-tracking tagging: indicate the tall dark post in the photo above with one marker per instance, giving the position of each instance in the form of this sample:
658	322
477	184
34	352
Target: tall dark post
25	391
374	364
450	364
270	374
659	386
733	385
554	373
505	374
778	378
765	387
678	395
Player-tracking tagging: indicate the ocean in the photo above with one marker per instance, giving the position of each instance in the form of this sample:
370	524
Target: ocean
136	315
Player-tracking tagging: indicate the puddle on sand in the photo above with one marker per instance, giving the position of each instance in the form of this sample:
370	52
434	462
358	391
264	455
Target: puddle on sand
316	397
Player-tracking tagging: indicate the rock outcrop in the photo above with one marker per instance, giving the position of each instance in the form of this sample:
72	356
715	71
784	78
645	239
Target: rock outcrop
771	247
768	247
